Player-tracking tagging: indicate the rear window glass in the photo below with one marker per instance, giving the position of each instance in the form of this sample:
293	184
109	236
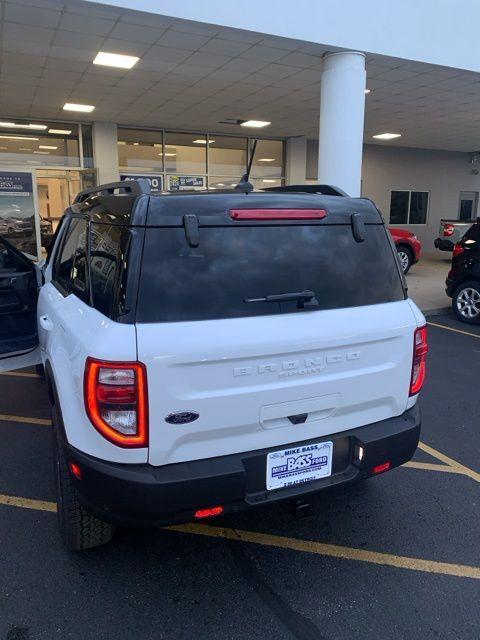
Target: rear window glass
231	264
473	233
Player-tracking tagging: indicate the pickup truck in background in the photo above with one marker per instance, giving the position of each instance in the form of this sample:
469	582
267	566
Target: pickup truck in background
450	232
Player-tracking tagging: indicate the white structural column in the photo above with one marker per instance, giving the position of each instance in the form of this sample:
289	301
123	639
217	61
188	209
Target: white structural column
105	151
342	111
296	169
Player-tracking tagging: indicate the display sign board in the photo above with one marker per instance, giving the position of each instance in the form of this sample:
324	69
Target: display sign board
17	210
156	181
186	183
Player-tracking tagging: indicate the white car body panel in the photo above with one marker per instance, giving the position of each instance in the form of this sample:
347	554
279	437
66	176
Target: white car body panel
244	376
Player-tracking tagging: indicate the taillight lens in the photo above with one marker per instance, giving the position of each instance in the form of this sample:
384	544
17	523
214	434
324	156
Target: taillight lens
277	214
420	349
116	401
448	230
458	249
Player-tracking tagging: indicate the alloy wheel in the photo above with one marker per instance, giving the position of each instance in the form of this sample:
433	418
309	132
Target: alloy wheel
468	303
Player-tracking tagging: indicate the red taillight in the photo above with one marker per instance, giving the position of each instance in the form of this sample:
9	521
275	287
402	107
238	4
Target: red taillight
116	401
448	230
420	349
381	468
208	513
458	249
75	470
277	214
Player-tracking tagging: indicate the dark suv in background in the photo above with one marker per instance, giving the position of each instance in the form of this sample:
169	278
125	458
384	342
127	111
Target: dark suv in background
463	280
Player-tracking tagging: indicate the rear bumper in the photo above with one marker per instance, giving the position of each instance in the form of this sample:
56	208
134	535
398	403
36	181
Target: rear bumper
146	495
443	244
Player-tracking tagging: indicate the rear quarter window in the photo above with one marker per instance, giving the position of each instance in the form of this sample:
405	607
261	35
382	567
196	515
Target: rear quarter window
231	264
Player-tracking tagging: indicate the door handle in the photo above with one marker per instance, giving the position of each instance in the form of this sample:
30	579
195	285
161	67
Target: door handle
46	323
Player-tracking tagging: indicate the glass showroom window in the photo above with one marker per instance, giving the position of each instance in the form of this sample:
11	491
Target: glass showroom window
185	160
39	143
408	207
268	164
140	151
227	161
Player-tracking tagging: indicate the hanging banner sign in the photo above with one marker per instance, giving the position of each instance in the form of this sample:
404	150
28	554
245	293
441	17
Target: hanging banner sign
186	183
16	183
156	182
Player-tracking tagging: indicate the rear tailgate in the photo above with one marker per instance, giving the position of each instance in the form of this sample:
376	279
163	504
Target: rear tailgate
262	374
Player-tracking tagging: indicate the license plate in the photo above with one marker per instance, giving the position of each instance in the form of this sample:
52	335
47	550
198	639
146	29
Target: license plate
297	465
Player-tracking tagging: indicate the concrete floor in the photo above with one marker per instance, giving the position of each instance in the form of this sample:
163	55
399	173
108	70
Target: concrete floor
426	282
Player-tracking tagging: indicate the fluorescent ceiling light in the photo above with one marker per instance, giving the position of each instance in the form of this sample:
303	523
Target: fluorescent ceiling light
85	108
122	142
268	180
167	154
367	91
46	146
12	125
60	132
23	148
387	136
135	144
18	138
115	60
203	141
220	184
256	124
266	160
43	153
4	148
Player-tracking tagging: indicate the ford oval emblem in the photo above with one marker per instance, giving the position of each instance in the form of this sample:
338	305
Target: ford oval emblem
182	417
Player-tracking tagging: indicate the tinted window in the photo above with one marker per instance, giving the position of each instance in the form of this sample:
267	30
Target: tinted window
234	263
70	269
473	233
399	207
418	207
105	241
408	207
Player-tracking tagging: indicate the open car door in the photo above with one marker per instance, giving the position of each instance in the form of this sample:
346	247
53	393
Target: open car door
20	280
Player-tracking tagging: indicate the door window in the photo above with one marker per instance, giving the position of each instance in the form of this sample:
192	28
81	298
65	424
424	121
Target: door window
70	272
468	205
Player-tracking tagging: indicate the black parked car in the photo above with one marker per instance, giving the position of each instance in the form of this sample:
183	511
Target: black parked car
463	280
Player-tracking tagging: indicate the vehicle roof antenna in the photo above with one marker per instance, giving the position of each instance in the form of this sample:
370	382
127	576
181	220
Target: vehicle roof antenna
244	186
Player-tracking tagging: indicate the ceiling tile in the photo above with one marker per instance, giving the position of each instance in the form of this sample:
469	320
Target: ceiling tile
179	40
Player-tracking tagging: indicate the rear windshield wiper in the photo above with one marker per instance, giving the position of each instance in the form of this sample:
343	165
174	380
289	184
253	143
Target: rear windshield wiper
304	299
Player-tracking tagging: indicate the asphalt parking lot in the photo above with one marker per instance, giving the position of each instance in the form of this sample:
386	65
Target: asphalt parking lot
397	556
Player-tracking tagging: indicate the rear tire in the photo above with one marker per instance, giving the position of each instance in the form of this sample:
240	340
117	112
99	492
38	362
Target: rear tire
405	256
466	302
79	529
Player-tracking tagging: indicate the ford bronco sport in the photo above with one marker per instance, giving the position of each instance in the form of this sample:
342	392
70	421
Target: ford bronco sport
211	352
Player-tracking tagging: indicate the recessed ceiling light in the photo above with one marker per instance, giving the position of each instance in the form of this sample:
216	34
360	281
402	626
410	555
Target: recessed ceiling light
367	91
387	136
135	144
12	125
115	60
220	184
268	180
43	153
18	138
4	148
167	154
234	184
203	141
256	124
22	148
266	160
122	142
46	146
60	132
85	108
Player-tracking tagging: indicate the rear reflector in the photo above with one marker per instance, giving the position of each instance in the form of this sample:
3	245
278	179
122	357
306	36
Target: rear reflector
381	468
420	350
277	214
208	513
75	470
448	230
458	249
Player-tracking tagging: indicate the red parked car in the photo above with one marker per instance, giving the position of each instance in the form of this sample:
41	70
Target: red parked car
408	247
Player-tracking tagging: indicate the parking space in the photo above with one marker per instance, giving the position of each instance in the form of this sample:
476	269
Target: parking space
396	556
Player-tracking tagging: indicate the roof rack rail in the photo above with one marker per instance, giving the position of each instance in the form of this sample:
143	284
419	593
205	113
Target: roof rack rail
323	189
133	187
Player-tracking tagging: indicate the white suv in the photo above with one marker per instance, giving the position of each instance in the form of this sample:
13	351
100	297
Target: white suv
210	352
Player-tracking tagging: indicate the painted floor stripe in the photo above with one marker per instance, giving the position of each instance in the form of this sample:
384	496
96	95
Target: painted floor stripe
460	468
292	544
443	326
428	466
19	374
24	419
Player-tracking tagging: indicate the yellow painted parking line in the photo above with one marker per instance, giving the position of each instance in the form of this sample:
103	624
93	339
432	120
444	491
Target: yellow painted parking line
27	503
459	468
24	419
428	466
292	544
443	326
19	374
331	550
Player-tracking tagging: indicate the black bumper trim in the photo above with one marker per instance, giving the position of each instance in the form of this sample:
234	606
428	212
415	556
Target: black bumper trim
143	494
443	244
